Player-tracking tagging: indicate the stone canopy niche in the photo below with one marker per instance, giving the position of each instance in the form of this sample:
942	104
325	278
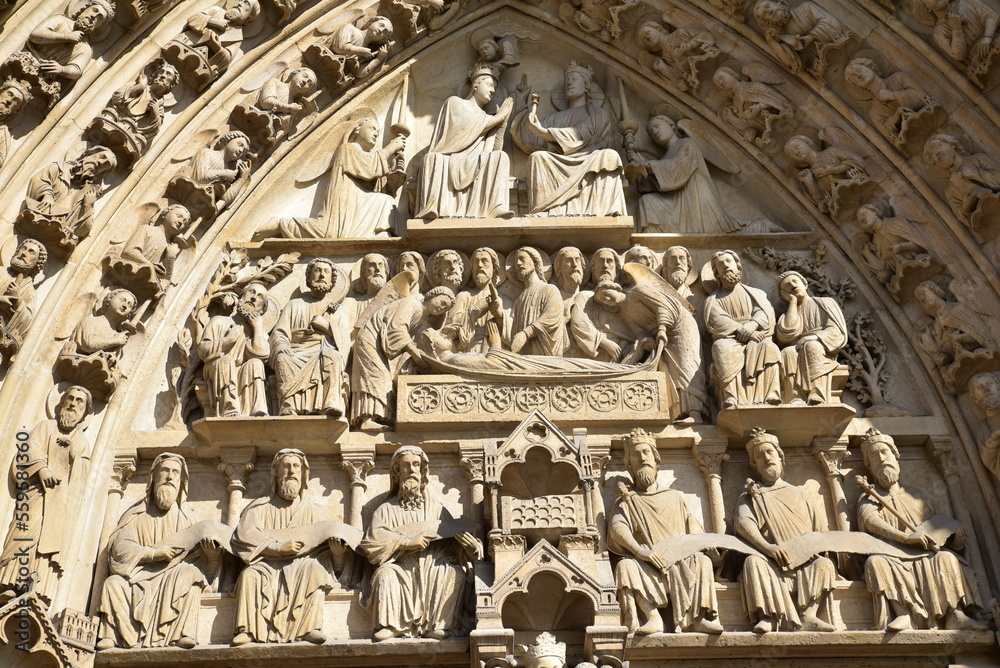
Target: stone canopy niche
548	567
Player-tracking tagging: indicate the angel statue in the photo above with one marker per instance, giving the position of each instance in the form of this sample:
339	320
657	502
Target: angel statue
900	109
597	17
202	52
501	51
954	334
832	176
283	104
354	52
410	17
802	37
356	204
218	174
894	247
755	106
679	194
967	31
973	190
676	52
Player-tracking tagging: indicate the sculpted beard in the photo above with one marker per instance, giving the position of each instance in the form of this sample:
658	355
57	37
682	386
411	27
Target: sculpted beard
990	403
771	472
289	488
376	281
20	266
887	474
69	417
410	493
645	476
165	494
320	286
678	276
731	277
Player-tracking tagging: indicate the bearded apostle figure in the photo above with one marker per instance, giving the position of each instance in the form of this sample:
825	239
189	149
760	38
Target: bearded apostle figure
465	173
420	577
154	592
642	517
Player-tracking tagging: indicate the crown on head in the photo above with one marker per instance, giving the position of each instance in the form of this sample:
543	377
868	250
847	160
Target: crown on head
23	87
758	436
638	435
483	69
586	70
545	645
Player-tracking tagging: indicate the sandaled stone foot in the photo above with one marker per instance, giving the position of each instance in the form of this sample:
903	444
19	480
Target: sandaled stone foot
372	425
814	623
105	643
709	626
901	623
654	625
316	637
384	634
959	621
765	625
242	639
436	634
186	642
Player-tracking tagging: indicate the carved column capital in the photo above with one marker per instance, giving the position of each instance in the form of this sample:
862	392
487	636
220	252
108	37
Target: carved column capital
474	468
358	470
830	454
236	466
122	471
710	457
942	453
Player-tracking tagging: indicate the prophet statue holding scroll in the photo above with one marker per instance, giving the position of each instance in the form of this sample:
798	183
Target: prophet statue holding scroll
575	169
158	569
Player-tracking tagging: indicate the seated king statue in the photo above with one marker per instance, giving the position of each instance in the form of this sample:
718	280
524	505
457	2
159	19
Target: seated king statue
574	170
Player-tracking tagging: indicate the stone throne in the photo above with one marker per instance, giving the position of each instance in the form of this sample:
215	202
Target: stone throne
550	569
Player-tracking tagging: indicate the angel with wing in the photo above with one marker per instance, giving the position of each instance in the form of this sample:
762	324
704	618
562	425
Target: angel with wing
833	177
953	333
283	104
676	52
680	196
755	106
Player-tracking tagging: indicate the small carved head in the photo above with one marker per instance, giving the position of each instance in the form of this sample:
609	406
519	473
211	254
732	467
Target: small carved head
413	262
29	258
320	276
528	261
483	83
168	481
766	456
642	255
439	300
118	305
447	269
642	459
174	219
727	268
92	16
677	265
792	283
772	14
302	81
650	35
861	73
289	474
801	149
14	95
485	44
942	151
931	297
234	144
544	653
984	390
661	129
374	273
605	265
485	265
568	265
253	301
378	30
75	405
242	12
365	132
870	216
408	475
577	79
164	78
435	343
725	79
94	164
881	457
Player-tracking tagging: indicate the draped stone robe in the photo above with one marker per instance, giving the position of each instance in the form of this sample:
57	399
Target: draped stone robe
782	512
465	172
355	206
650	517
929	587
647	309
72	208
810	369
279	599
540	308
151	604
309	365
580	172
67	54
234	370
41	534
682	198
413	593
746	373
472	312
15	318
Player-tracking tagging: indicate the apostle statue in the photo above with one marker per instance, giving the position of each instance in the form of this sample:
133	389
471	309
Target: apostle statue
813	331
309	347
973	180
390	333
466	172
643	516
679	271
419	583
605	265
153	594
373	271
575	169
90	357
538	326
768	513
17	295
279	595
741	322
581	338
651	308
446	267
356	205
481	303
58	49
49	479
133	116
927	592
233	348
59	206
